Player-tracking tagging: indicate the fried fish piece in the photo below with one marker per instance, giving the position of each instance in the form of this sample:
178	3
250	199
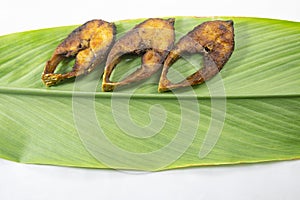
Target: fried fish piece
214	40
89	44
152	39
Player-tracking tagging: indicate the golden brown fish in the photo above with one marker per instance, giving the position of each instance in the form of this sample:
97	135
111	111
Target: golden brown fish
214	40
89	44
152	39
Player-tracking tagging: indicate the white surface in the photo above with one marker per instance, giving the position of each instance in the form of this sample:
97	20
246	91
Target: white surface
259	182
18	15
30	182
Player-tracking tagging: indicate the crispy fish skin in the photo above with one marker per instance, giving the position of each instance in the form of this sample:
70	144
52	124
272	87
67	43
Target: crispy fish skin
89	44
152	39
214	40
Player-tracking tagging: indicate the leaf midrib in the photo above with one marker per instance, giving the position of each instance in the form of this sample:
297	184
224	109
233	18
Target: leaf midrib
63	93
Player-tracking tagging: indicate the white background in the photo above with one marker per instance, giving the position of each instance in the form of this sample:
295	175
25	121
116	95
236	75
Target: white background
280	180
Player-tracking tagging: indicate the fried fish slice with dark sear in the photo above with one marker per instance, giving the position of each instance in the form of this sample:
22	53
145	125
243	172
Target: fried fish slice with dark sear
152	39
214	40
89	44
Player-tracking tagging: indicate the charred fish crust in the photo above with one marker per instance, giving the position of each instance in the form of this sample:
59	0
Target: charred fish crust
214	40
89	44
152	38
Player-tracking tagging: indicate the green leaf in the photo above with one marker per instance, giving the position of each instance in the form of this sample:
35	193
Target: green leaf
248	113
